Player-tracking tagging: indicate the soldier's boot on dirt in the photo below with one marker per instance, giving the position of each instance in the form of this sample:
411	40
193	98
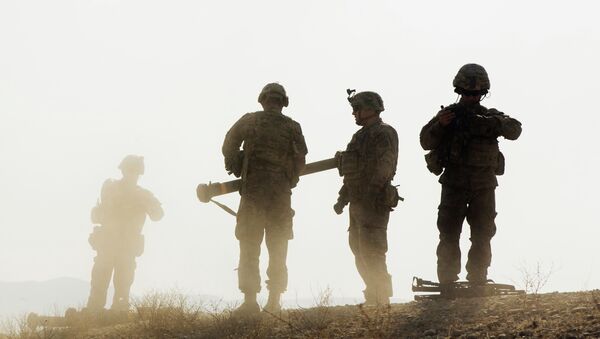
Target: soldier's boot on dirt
447	289
273	303
120	304
370	298
477	277
377	299
380	294
250	306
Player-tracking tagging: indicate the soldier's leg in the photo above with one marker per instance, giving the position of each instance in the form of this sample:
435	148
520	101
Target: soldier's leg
354	242
373	245
277	273
277	245
101	274
123	279
368	242
451	214
248	267
480	216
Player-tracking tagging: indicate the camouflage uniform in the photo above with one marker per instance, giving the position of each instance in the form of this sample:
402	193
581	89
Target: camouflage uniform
121	214
467	150
368	166
272	157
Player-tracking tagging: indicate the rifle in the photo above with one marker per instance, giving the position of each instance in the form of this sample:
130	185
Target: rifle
460	289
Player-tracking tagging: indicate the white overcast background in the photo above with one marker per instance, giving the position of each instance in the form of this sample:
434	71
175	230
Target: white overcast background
85	82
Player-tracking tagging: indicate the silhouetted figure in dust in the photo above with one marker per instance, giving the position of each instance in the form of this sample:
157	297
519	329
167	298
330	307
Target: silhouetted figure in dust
121	213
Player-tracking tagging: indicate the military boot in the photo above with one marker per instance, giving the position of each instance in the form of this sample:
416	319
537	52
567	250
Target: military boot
249	307
120	304
370	298
478	277
273	303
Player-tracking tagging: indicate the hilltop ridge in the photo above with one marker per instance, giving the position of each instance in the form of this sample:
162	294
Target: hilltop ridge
567	315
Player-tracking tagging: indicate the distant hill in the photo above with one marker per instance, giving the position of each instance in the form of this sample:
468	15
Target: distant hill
50	296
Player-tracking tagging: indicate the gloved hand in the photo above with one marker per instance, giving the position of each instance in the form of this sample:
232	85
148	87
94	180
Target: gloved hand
339	207
484	126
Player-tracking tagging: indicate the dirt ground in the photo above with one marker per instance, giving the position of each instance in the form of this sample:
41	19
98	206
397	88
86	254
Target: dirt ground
563	315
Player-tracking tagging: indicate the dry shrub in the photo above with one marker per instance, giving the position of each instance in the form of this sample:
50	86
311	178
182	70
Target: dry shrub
376	320
167	314
534	278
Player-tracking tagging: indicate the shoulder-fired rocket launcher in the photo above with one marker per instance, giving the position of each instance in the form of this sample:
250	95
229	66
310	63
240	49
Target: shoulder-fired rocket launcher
206	192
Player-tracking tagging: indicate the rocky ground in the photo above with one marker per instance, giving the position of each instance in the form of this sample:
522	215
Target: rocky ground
563	315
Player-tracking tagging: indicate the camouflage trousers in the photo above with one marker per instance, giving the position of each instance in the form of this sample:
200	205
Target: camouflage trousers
274	224
105	263
368	242
479	208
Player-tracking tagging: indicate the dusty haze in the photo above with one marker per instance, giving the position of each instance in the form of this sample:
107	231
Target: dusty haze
83	83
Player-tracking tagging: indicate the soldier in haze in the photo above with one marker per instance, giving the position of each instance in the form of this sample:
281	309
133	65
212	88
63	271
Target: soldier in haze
463	140
368	166
121	213
269	164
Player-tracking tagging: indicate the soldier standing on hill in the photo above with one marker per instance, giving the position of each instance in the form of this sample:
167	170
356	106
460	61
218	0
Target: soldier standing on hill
368	166
463	140
118	240
269	164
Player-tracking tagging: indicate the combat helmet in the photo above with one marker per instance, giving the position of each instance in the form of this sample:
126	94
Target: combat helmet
273	88
366	99
133	164
472	79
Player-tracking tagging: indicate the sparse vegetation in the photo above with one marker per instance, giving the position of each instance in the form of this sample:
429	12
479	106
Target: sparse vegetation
534	278
170	315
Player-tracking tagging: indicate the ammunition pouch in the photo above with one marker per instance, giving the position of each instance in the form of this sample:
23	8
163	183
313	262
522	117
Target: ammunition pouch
434	162
483	155
98	239
234	164
389	197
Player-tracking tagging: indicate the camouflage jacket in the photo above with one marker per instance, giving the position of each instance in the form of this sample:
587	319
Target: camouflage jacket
272	155
467	148
369	164
122	209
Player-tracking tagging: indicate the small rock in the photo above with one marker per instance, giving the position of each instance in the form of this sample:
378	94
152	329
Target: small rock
457	333
580	308
525	333
430	332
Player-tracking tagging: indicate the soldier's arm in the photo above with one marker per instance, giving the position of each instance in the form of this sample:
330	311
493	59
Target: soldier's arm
101	211
386	148
507	127
431	134
300	150
153	207
232	143
342	200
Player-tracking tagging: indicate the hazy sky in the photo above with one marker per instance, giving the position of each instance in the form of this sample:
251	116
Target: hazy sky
85	82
